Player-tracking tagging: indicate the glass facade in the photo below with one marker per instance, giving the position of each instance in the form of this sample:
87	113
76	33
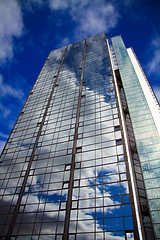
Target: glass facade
65	170
145	123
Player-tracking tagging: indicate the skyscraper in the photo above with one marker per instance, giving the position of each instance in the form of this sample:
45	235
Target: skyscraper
82	160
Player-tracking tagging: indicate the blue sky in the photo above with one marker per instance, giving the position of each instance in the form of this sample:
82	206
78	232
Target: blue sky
30	29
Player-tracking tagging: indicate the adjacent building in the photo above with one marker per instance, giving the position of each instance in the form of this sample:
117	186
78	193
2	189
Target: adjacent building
82	161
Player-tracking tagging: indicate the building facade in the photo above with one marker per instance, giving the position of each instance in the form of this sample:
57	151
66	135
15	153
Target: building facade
82	161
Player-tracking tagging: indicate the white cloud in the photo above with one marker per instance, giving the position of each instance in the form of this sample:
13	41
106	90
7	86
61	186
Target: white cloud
154	63
8	90
91	17
65	41
59	5
3	135
5	111
30	4
11	26
2	143
97	19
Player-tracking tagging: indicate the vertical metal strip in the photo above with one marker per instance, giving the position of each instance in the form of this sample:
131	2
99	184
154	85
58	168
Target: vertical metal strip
32	155
70	188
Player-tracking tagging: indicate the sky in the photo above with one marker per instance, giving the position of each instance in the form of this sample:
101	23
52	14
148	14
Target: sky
30	29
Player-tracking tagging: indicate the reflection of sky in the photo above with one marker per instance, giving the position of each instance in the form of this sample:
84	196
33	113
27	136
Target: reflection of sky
100	186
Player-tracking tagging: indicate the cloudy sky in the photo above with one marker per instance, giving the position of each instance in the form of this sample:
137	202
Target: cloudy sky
30	29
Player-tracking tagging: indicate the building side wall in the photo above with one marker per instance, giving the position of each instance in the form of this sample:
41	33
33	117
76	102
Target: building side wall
145	129
147	90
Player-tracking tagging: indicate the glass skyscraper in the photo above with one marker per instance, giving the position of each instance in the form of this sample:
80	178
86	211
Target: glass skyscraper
82	161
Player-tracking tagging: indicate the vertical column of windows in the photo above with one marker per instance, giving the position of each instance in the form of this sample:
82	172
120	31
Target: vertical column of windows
71	182
18	150
47	184
100	200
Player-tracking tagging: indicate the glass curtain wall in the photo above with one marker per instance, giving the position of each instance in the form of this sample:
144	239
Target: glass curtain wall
64	171
145	131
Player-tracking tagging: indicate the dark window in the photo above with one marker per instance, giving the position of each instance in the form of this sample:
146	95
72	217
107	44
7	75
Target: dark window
117	128
118	141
